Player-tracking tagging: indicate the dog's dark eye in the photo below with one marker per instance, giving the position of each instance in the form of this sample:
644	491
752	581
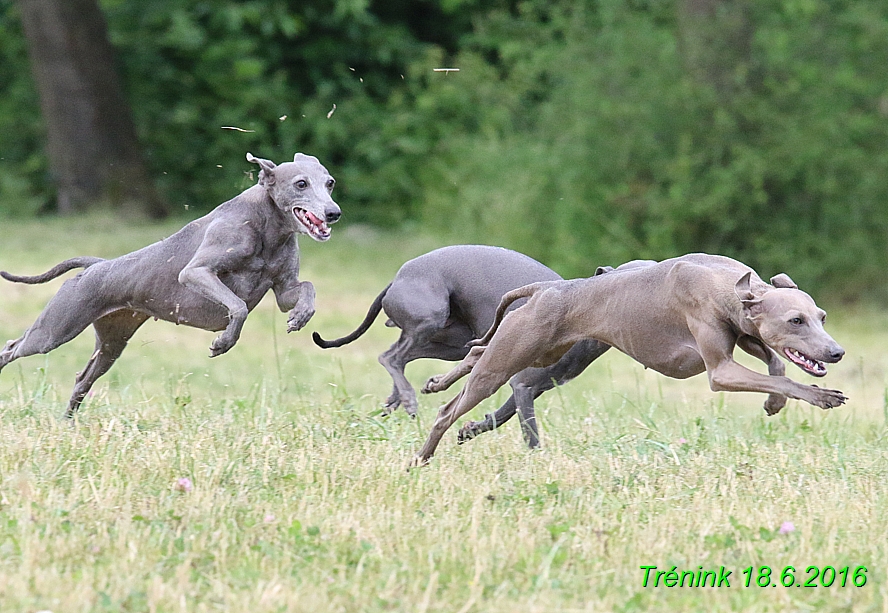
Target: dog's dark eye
330	184
301	183
797	321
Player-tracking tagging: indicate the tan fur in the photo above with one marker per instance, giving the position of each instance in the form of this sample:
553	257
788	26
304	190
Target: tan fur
680	317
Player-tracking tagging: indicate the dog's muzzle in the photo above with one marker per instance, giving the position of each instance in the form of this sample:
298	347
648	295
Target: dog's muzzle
816	368
316	227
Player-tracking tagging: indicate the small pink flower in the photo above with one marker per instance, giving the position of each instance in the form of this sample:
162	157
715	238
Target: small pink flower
682	441
269	519
786	527
183	484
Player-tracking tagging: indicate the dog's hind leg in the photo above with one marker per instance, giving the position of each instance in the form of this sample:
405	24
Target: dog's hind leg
528	385
394	361
409	348
529	335
113	332
491	367
422	310
439	383
481	385
70	311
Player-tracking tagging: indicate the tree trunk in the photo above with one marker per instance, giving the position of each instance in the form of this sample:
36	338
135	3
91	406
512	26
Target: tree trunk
93	151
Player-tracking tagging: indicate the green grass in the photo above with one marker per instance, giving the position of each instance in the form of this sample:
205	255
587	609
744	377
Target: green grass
301	500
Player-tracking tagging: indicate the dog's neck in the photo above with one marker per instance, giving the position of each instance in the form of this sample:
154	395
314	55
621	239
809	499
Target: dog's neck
747	326
277	225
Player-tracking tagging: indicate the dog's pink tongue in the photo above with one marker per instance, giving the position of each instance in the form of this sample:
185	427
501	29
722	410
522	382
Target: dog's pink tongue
320	227
315	219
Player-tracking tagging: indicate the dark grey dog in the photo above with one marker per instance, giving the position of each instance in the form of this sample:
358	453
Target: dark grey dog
209	275
444	299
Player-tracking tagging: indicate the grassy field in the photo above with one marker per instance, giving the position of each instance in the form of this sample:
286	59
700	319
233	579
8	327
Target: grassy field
297	497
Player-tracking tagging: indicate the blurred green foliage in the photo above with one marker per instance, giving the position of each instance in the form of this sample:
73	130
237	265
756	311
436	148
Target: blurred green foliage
23	167
615	148
582	133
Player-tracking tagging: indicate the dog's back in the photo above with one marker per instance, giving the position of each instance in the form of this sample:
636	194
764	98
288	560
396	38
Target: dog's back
472	278
645	307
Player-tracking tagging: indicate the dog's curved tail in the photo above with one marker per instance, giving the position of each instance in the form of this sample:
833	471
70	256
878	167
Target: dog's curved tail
375	308
55	271
508	298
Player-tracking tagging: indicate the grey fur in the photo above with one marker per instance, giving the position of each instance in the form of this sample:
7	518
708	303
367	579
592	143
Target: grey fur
445	298
680	317
209	275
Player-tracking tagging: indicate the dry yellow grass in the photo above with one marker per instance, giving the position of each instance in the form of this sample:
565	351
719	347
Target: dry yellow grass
299	497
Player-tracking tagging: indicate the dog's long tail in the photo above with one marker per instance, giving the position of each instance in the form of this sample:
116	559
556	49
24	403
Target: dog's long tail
55	271
506	301
375	308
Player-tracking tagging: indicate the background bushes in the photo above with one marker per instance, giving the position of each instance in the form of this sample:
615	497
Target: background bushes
582	133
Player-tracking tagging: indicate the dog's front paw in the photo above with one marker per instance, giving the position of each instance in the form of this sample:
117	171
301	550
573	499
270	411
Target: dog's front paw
826	399
223	343
774	403
298	318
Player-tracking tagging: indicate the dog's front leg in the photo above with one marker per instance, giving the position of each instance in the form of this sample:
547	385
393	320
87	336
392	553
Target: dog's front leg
733	377
725	375
756	348
223	249
205	282
299	299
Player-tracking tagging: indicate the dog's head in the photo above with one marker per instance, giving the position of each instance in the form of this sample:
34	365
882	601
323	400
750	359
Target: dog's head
301	189
789	322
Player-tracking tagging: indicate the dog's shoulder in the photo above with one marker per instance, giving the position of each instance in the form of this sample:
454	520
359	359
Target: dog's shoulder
706	285
694	283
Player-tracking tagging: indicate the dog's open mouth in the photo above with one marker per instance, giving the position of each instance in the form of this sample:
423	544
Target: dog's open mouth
317	228
809	365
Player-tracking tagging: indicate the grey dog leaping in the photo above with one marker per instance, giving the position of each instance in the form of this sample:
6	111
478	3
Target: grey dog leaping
209	275
680	317
445	298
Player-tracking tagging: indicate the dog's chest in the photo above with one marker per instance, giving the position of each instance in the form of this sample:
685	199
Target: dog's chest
248	286
677	361
661	345
267	268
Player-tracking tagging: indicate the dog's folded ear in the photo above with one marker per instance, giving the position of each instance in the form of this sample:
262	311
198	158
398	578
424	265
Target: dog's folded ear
750	301
783	280
301	157
266	175
602	269
742	288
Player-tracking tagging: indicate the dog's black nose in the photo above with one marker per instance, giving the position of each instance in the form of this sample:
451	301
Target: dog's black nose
333	216
837	354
